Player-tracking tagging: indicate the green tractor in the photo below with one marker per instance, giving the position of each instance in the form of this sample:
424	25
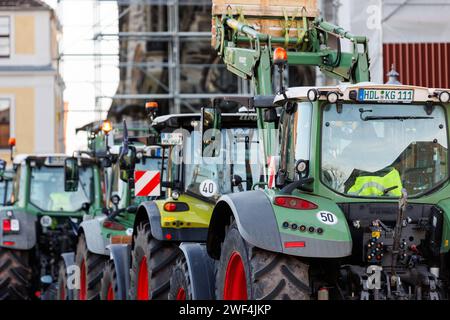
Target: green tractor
193	185
39	224
114	224
355	199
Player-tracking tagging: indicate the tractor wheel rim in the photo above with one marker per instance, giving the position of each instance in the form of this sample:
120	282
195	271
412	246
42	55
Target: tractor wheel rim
142	286
181	294
235	287
62	291
110	295
83	286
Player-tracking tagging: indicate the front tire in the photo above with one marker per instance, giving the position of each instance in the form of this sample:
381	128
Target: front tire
109	288
91	270
180	282
246	272
15	275
151	266
62	292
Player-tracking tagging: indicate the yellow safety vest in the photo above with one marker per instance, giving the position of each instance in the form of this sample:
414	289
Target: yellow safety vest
60	201
373	186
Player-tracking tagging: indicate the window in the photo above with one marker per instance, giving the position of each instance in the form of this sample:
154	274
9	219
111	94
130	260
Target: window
238	157
5	39
5	107
398	146
47	189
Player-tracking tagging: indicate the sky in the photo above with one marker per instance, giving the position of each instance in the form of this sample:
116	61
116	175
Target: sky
79	70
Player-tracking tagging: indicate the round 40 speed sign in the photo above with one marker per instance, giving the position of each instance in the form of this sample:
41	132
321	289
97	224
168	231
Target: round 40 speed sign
208	188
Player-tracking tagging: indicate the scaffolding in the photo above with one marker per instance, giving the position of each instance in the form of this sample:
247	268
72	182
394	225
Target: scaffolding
160	57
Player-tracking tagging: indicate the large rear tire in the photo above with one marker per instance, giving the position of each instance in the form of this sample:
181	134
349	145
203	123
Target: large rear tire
180	281
15	275
246	272
109	288
91	270
151	266
62	292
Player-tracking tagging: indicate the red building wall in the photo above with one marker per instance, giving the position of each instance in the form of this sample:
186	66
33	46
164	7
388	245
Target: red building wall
421	64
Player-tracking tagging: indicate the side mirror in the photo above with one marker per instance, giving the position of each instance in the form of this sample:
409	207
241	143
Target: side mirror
71	175
270	115
210	129
127	163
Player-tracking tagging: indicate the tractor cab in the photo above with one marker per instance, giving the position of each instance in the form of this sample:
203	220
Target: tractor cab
41	185
204	162
374	140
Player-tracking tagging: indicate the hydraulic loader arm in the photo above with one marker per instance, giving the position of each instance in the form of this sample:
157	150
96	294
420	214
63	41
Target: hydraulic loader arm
248	53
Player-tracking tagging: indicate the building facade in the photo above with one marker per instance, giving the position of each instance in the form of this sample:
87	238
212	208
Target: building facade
413	35
31	101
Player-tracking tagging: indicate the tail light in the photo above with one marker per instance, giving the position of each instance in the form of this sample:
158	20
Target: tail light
6	226
176	206
108	224
294	203
10	225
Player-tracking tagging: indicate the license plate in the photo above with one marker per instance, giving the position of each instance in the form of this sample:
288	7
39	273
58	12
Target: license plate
171	139
386	95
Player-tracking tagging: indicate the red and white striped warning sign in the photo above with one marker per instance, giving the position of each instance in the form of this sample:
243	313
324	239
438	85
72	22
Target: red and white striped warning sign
147	183
271	162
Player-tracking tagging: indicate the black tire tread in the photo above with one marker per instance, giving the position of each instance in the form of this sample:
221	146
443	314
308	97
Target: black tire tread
273	276
94	268
15	275
180	279
109	278
161	259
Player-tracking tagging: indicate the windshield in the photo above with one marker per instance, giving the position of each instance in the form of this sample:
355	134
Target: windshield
238	157
6	187
47	189
376	150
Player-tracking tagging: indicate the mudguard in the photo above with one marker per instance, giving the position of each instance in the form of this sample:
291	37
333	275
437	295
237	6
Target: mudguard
93	233
120	254
69	260
154	218
258	225
255	219
201	271
25	239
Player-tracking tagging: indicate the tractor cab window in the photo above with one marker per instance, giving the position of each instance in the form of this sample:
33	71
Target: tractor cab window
375	150
47	189
211	177
6	187
295	137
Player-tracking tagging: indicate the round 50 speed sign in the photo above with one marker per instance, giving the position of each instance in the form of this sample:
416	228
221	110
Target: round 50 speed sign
327	217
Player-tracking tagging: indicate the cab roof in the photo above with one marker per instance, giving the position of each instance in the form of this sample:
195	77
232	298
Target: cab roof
20	158
184	120
421	94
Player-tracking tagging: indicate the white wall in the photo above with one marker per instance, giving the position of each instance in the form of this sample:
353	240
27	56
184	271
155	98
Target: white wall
364	18
417	21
